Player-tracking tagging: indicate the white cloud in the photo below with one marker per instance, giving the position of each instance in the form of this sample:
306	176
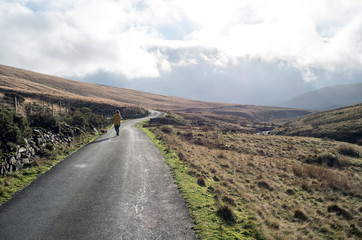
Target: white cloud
132	37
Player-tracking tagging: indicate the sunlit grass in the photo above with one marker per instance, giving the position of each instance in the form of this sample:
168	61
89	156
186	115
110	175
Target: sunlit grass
279	186
202	204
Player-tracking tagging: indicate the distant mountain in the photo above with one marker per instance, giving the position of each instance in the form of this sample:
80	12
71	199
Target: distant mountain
328	98
101	98
342	124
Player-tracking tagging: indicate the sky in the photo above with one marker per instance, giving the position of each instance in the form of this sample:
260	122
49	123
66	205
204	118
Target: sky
259	52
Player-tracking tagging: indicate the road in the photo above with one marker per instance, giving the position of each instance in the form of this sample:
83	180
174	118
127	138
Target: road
113	188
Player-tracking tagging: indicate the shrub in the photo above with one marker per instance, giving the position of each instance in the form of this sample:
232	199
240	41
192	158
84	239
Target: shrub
45	121
182	156
166	129
84	118
49	146
340	211
13	128
11	96
265	185
226	213
327	159
348	151
188	135
133	112
201	181
301	215
329	177
79	120
229	201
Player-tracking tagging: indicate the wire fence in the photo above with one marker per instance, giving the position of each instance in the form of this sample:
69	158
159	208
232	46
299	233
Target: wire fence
41	107
23	107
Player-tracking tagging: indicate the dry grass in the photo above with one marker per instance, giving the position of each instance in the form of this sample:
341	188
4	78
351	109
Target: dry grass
344	124
32	84
270	178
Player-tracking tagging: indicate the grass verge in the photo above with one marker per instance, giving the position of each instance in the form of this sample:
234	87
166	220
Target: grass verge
204	208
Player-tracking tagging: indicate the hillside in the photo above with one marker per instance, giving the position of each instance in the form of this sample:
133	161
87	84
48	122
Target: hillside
241	185
50	87
328	98
75	93
344	124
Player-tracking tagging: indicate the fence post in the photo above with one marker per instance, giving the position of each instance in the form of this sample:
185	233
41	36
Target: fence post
53	109
30	108
43	108
16	105
60	107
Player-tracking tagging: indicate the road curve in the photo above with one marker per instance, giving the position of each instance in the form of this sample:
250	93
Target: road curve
113	188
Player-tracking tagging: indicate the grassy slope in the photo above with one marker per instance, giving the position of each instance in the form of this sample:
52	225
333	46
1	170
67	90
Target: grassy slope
73	92
344	124
201	202
273	184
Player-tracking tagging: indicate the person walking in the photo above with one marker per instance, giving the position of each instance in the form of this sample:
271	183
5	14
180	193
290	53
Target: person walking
116	119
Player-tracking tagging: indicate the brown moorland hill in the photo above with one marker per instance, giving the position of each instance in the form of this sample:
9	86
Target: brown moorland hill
51	88
343	124
28	82
241	185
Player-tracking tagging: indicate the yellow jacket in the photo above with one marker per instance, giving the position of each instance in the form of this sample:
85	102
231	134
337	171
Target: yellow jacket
117	119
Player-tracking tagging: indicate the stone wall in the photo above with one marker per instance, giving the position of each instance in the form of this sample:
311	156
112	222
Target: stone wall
35	146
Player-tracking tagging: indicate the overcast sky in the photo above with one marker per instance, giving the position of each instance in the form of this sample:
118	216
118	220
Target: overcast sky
239	51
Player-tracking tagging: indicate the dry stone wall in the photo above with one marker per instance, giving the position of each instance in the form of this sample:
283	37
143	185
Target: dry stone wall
34	147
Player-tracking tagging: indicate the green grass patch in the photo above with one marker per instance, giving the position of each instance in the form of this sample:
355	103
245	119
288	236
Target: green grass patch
203	206
16	181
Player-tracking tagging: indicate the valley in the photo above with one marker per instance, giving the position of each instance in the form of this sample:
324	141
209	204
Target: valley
245	172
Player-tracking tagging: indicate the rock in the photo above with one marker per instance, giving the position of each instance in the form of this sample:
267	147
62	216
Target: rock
12	160
18	165
36	149
22	149
32	143
25	160
36	132
32	151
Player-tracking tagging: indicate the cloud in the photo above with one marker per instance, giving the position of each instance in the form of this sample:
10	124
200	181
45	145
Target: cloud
153	40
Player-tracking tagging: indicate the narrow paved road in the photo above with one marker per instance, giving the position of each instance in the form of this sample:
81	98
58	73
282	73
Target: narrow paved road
113	188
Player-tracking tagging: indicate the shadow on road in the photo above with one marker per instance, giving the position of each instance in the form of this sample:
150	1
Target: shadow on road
102	140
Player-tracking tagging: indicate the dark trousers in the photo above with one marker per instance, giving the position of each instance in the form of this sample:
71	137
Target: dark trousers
116	127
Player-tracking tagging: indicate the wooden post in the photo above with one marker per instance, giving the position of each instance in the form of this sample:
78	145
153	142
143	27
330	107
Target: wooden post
30	108
43	108
53	109
60	107
16	105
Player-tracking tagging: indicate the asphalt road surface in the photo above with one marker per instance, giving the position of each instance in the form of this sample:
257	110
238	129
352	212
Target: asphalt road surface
113	188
